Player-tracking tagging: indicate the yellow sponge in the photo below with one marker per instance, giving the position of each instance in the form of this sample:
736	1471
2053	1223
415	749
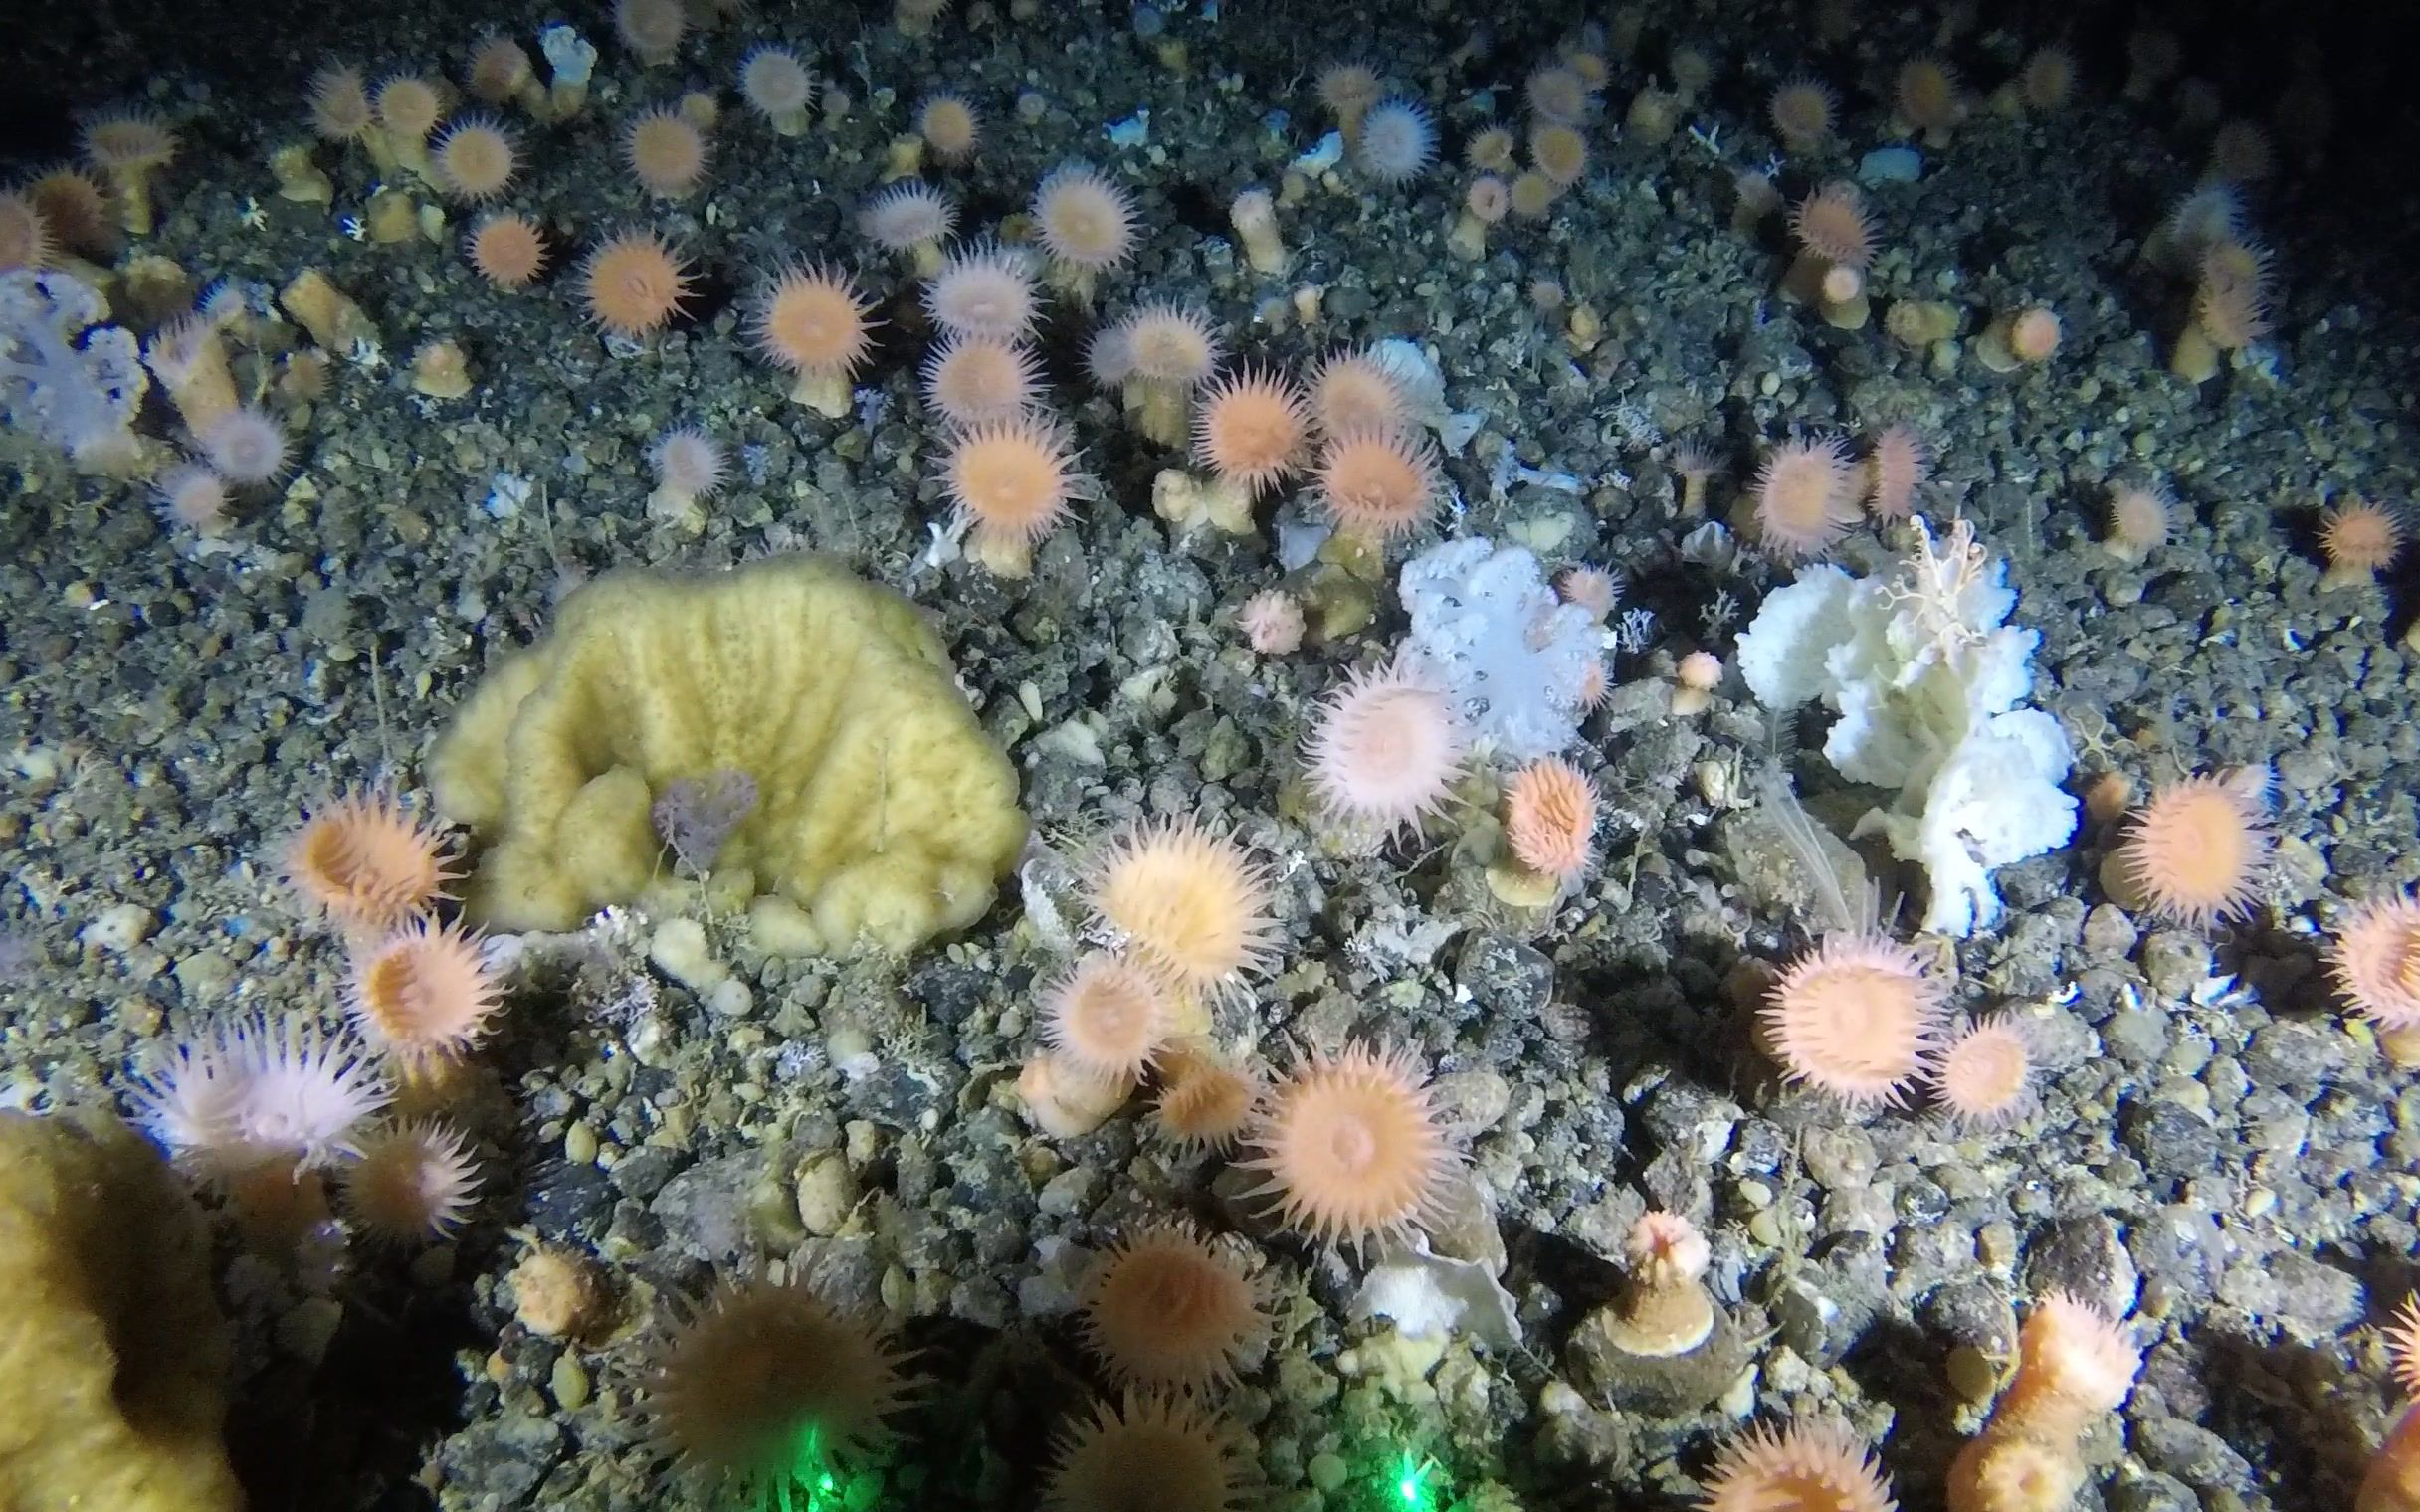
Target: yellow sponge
113	1355
883	815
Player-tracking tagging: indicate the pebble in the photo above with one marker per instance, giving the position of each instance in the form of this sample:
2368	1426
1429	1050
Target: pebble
120	929
826	1193
569	1382
1891	165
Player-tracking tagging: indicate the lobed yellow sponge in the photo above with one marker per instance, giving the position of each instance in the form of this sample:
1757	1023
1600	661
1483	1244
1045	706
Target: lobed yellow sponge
882	816
113	1355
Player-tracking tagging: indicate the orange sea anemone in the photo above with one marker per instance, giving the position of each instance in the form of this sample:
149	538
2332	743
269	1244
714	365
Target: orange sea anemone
765	1368
409	107
1249	428
1490	150
1011	481
634	284
341	103
1153	1452
1806	496
1857	1016
2360	539
1170	346
950	128
1983	1077
2403	1346
2049	77
1205	1104
2199	850
1185	900
972	379
507	248
413	1182
812	320
1895	470
777	86
1832	223
75	208
1348	89
423	992
1354	392
1559	94
665	153
2375	961
650	28
1165	1310
2141	519
2230	294
1801	1466
1085	220
907	215
1379	484
474	159
1559	153
1551	817
1803	111
498	69
2074	1361
25	235
1104	1018
366	863
1352	1148
1927	96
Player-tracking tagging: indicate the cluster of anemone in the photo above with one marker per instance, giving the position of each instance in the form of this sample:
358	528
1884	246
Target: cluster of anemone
1864	1019
260	1102
1182	916
1008	464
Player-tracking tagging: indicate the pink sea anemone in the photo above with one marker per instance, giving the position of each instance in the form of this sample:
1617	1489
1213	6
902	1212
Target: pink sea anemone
244	1094
983	291
1806	497
413	1182
1385	750
246	445
1858	1017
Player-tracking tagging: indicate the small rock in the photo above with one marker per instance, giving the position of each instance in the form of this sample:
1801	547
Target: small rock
556	1294
120	929
1505	976
2174	1142
826	1193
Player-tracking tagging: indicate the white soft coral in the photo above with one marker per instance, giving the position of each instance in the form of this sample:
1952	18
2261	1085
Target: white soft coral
1926	678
